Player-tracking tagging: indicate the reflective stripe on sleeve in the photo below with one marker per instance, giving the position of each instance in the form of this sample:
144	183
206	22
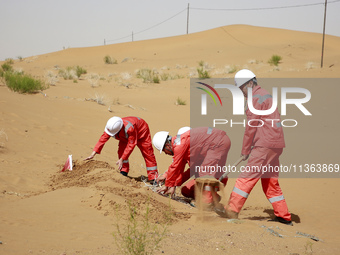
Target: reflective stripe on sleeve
262	98
177	140
126	161
151	168
127	128
240	192
276	199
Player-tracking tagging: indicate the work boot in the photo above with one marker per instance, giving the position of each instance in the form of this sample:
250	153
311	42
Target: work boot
282	220
123	173
226	212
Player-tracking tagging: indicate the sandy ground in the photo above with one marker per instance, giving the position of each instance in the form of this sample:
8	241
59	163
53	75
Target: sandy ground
44	211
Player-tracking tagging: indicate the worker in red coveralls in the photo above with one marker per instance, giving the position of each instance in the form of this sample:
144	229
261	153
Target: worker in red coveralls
130	131
263	145
201	148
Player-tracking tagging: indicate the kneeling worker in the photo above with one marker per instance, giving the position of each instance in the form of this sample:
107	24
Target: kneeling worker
201	148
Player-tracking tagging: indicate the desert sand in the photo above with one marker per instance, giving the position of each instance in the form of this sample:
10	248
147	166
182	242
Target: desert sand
46	211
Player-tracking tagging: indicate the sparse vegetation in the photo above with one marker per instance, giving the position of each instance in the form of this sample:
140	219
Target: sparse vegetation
80	71
109	60
51	78
7	67
201	70
167	76
72	73
99	99
148	75
180	101
232	69
202	74
139	236
9	61
275	60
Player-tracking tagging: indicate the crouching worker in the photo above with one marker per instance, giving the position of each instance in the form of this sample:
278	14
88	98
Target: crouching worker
201	148
130	131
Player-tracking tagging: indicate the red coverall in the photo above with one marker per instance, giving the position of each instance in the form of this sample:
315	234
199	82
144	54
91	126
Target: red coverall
268	143
135	131
201	147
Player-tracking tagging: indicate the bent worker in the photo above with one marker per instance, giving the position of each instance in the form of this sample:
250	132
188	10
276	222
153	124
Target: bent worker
201	148
263	145
130	131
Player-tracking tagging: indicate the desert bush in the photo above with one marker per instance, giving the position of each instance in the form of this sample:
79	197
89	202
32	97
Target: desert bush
139	237
202	74
201	70
6	67
167	76
148	75
275	60
9	61
51	78
80	71
101	99
23	83
109	60
72	73
180	101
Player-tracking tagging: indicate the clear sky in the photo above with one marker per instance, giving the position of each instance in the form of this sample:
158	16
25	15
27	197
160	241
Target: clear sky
34	27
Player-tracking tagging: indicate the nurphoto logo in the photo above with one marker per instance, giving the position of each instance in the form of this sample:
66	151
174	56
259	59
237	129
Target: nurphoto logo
239	103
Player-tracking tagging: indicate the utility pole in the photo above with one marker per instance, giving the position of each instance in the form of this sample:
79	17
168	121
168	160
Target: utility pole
188	19
132	35
323	34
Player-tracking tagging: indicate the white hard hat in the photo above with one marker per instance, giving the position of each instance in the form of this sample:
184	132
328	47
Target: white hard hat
113	126
159	140
182	130
243	76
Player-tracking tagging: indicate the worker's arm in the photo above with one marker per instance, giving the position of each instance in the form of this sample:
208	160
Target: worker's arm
178	164
131	143
99	145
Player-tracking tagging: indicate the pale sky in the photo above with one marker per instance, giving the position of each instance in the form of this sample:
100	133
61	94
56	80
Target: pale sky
34	27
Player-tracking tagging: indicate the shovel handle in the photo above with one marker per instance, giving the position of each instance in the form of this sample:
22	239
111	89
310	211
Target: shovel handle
234	165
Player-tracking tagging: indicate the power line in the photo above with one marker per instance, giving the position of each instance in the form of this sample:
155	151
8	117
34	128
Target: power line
262	8
211	9
160	23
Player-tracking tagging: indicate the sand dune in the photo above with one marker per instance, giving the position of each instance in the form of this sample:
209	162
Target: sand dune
46	211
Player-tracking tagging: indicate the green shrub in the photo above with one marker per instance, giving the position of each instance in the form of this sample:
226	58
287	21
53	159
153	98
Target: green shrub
139	236
148	75
7	67
180	101
23	83
80	71
202	74
72	73
274	60
9	61
109	60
